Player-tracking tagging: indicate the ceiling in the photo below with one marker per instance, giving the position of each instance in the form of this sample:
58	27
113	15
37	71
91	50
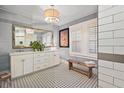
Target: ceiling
34	13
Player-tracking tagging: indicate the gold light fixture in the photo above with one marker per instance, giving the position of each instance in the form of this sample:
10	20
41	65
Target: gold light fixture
51	15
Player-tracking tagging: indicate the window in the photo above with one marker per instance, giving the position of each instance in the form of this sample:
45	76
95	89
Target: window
92	39
76	40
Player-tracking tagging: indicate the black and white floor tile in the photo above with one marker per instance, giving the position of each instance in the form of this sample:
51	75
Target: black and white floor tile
55	77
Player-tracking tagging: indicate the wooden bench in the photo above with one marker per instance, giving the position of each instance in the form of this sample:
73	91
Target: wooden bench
4	76
83	62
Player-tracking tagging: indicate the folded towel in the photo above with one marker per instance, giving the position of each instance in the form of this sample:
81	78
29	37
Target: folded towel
89	62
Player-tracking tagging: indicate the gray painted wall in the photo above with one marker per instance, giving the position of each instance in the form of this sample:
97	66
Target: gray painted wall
64	52
5	44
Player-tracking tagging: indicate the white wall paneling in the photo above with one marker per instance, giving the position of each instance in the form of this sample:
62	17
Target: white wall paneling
119	33
118	17
118	41
119	82
111	11
105	84
105	49
119	66
105	7
106	42
111	41
113	26
107	78
106	35
106	64
106	20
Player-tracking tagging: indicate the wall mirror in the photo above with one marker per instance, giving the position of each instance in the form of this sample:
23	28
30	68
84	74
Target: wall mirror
23	36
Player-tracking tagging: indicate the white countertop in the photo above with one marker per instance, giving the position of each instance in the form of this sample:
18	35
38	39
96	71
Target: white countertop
30	52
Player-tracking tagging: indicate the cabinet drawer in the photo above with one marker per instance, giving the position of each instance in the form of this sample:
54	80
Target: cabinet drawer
22	58
40	66
15	59
39	55
37	61
49	54
37	68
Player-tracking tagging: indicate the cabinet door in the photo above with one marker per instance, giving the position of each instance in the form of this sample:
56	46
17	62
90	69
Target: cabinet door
28	64
56	58
17	66
18	69
50	59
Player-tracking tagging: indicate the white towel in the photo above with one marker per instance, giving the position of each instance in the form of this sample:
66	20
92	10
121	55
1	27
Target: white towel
89	62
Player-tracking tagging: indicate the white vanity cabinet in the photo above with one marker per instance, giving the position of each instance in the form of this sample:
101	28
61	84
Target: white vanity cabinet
45	60
16	66
28	62
56	58
39	61
21	65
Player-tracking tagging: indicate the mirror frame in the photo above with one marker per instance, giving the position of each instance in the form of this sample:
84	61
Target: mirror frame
23	47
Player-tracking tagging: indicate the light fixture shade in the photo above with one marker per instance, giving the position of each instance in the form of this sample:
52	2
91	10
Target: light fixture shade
51	15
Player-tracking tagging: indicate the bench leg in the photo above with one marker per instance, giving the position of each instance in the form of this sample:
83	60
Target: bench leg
0	83
9	81
70	65
90	72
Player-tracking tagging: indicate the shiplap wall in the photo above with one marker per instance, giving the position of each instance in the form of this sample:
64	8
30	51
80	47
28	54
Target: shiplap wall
5	44
111	41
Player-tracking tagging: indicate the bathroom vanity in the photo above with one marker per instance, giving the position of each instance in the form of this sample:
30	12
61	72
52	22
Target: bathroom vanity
23	63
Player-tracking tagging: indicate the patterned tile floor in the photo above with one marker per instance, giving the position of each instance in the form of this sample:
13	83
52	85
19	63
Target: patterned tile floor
55	77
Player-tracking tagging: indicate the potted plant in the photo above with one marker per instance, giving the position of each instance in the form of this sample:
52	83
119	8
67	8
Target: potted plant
37	45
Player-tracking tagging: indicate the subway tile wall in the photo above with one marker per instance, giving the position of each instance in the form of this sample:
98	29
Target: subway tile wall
111	41
111	74
111	29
